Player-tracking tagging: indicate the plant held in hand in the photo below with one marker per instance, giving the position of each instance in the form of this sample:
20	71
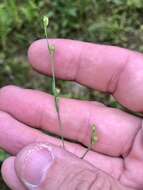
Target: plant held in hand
52	50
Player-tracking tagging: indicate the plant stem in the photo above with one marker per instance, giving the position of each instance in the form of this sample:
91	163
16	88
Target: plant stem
56	97
87	150
51	50
93	140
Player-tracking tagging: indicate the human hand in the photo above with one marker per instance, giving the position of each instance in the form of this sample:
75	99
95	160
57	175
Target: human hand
115	162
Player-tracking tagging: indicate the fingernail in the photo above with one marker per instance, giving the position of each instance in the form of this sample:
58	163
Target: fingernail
35	165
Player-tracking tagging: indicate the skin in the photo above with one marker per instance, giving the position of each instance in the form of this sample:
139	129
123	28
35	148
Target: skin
116	161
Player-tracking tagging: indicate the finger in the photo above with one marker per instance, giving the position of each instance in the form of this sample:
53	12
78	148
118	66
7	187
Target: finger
44	166
20	135
134	163
105	68
116	129
9	175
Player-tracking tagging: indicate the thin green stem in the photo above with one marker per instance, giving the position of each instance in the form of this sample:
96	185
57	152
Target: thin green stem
52	61
46	35
87	150
56	97
93	141
51	50
59	119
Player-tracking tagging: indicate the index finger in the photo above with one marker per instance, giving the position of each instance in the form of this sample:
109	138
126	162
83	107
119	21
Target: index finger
104	68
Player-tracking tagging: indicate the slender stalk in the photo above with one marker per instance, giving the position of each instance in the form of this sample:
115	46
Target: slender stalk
56	97
87	150
93	141
52	50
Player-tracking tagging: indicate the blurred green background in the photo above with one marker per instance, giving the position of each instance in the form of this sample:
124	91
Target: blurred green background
116	22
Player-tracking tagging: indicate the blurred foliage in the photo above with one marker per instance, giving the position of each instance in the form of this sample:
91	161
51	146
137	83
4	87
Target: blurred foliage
3	156
116	22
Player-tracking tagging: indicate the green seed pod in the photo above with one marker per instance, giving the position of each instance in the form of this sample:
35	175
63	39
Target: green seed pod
94	137
52	49
58	90
45	21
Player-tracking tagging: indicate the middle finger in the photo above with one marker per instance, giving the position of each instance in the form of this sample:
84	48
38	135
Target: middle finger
116	129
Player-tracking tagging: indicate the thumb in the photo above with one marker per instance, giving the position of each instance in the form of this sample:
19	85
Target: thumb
42	166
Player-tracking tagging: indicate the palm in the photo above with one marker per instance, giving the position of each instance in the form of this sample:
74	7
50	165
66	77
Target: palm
105	68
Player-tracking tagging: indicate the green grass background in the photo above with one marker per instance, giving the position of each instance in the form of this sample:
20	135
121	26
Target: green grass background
116	22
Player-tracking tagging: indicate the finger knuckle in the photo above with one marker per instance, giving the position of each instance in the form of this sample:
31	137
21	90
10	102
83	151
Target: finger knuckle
87	179
4	90
100	182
